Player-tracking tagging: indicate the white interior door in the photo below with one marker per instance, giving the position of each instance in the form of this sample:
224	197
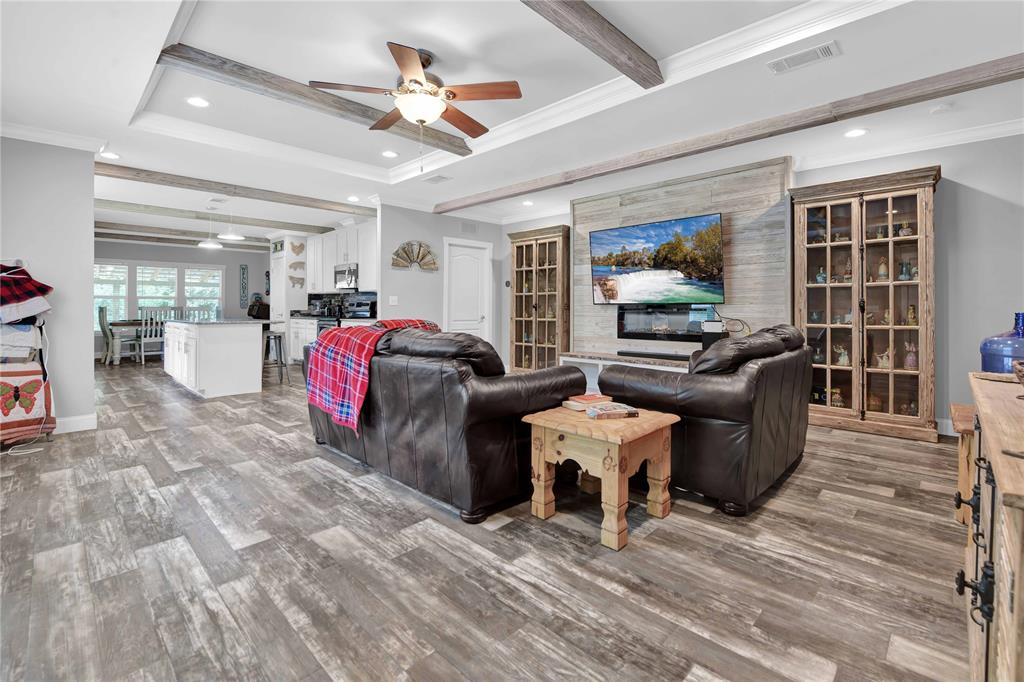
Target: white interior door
468	287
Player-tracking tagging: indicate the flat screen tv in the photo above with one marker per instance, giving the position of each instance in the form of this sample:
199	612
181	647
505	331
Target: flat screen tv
672	261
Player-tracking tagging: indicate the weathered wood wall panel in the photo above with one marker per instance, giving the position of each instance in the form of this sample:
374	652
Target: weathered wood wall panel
754	203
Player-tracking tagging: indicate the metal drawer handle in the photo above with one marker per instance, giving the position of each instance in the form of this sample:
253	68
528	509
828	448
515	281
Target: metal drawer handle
561	436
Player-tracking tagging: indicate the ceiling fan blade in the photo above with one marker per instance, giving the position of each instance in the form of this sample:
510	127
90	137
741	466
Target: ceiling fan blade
466	124
498	90
389	119
408	60
327	85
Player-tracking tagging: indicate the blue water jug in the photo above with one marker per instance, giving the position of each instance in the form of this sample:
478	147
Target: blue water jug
997	352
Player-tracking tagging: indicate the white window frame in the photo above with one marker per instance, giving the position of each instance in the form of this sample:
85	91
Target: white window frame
132	298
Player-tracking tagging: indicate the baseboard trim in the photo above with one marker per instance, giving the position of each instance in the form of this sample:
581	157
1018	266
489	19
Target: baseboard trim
78	422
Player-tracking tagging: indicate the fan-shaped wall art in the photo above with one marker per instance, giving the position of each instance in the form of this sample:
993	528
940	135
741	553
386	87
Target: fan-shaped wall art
416	252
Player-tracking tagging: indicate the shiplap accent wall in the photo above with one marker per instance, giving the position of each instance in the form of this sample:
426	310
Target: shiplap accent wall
754	202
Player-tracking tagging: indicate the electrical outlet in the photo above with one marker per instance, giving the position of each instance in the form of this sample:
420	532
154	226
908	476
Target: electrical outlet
392	300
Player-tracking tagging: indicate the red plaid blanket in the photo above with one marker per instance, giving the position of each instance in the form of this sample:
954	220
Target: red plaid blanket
339	367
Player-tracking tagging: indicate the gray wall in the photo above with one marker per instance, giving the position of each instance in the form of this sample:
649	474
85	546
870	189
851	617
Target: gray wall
421	294
258	264
979	249
46	219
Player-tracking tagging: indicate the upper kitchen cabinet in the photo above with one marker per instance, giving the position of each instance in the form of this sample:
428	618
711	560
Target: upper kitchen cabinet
349	244
368	256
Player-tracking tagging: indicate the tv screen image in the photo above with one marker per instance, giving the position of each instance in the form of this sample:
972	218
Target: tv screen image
672	261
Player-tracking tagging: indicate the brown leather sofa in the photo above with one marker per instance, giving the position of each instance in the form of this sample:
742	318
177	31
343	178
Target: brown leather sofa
441	416
743	409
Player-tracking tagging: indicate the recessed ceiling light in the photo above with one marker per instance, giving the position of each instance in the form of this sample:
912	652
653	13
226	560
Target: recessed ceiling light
218	200
110	155
855	132
198	102
353	198
388	154
527	203
213	208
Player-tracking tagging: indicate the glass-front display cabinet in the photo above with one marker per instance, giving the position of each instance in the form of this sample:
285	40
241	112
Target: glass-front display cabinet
864	296
539	322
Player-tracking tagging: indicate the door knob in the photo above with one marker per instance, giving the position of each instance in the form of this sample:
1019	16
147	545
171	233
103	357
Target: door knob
483	317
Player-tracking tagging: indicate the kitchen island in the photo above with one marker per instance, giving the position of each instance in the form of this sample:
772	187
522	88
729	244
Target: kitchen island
215	358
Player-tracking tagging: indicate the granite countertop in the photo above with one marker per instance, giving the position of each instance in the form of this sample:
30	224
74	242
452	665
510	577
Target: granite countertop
210	322
305	316
625	359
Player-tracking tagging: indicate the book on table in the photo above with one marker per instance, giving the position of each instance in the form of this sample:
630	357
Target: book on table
612	411
579	403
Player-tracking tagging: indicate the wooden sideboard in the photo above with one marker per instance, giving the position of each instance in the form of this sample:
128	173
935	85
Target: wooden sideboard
991	580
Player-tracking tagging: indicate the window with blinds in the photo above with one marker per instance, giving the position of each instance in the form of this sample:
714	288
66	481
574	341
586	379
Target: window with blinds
110	289
203	292
156	286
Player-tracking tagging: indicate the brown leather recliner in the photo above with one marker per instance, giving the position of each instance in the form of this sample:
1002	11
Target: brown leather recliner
743	409
441	416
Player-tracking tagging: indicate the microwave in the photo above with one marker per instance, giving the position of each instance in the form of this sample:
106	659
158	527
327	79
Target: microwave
346	277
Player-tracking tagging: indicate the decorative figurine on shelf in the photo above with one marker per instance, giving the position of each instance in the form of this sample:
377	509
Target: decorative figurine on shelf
912	320
904	275
816	316
883	269
874	403
819	356
869	318
886	317
837	398
821	277
913	273
848	271
839	237
908	409
880	232
882	360
842	356
906	230
910	356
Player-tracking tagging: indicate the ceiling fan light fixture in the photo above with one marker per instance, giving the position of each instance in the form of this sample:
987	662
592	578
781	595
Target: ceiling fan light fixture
420	107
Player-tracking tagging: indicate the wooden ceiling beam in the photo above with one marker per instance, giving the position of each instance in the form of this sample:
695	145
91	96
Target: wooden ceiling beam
586	26
173	241
223	70
109	170
170	232
942	85
166	211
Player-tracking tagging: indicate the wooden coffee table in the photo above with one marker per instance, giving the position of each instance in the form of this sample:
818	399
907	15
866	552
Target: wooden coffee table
609	449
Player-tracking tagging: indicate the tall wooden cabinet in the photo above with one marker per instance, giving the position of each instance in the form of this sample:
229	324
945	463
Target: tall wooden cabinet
539	324
864	294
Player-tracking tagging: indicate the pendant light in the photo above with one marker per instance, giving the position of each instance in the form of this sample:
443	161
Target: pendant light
230	235
210	242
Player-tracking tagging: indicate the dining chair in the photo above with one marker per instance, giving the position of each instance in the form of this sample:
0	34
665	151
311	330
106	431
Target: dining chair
114	342
152	330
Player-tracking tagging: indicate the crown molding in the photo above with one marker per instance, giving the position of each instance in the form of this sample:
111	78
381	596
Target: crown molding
989	131
182	129
793	25
52	137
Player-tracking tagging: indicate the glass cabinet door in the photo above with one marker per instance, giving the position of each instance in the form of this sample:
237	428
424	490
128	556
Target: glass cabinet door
831	303
892	324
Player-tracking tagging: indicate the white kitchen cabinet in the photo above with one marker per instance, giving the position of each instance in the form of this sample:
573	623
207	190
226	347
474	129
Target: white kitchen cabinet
329	258
301	332
215	358
368	256
278	288
314	264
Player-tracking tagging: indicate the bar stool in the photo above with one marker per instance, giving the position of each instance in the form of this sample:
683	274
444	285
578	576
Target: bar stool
274	346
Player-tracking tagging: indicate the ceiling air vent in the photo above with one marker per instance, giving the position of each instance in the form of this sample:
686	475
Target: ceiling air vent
795	61
437	179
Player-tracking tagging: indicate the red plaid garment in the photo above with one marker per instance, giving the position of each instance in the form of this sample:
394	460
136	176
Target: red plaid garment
17	285
339	367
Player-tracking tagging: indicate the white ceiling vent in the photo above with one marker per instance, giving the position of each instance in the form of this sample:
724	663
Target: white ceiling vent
437	179
805	57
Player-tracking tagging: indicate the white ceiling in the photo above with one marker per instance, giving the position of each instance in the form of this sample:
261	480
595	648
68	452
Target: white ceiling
82	69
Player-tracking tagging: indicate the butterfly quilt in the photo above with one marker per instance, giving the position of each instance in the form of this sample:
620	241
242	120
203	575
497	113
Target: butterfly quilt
26	409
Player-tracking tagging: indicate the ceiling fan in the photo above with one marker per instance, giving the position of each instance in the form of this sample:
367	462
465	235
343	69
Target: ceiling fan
422	98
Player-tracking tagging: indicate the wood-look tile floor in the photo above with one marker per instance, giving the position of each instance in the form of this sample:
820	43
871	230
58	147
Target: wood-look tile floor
198	540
